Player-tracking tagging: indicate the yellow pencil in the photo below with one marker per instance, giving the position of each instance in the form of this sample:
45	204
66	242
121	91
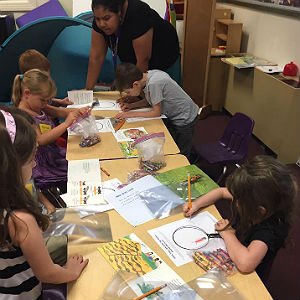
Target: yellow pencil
150	292
189	192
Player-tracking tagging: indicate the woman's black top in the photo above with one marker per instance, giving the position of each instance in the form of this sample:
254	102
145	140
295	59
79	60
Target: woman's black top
138	20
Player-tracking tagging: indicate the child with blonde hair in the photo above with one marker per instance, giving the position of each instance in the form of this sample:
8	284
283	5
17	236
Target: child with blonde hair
31	93
25	262
262	194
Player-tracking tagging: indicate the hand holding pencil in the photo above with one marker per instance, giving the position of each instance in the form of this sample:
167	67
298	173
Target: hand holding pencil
189	208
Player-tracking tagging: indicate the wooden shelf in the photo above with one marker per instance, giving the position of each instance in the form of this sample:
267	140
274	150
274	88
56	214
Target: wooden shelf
222	36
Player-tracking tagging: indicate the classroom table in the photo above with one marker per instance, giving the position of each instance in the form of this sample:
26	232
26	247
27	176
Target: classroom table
98	274
108	148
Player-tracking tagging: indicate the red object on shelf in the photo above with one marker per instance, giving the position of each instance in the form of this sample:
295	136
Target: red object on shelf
290	69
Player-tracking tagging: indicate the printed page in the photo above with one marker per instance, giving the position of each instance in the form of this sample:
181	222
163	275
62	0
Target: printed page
129	134
84	185
81	96
106	105
176	249
160	275
128	203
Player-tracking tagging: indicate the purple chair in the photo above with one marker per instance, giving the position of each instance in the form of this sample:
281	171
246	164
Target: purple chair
232	148
52	8
54	291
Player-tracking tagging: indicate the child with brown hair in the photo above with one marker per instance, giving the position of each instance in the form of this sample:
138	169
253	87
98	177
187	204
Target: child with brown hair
33	59
164	96
262	194
25	261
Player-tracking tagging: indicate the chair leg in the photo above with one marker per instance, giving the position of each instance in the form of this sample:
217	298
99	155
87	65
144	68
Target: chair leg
223	174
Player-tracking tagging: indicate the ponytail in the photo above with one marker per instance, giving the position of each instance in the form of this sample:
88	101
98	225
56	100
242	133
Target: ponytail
17	90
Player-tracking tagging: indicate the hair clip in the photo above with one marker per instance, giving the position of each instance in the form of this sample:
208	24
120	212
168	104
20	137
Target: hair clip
10	124
21	76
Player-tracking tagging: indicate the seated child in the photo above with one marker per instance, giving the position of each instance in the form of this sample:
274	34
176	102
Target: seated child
165	96
262	194
33	59
25	262
31	93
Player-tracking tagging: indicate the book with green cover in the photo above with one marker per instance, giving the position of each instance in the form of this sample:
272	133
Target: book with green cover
176	180
128	149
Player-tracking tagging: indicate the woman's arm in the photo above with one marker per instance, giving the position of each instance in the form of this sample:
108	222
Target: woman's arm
246	259
143	50
28	236
97	55
154	112
206	200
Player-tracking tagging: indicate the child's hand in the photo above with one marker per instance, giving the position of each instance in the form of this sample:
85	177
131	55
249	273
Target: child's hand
83	110
223	227
76	264
66	101
122	115
71	118
189	211
125	106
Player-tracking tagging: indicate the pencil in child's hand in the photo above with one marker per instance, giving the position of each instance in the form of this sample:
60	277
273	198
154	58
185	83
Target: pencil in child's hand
150	292
189	192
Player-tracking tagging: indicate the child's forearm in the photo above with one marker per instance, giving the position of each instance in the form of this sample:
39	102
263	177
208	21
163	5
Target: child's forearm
239	254
139	104
52	135
143	114
57	274
211	197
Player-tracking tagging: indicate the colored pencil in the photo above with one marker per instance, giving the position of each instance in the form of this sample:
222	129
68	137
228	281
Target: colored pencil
150	292
104	171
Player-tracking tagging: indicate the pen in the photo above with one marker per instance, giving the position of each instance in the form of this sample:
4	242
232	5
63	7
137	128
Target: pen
104	171
150	292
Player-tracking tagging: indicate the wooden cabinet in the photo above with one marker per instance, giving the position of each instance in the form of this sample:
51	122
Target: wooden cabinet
198	34
229	34
274	106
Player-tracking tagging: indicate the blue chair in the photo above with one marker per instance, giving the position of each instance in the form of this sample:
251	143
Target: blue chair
232	148
87	16
49	9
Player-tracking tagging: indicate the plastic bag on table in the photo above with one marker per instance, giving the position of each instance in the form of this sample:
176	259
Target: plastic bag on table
151	151
161	201
86	126
67	221
214	285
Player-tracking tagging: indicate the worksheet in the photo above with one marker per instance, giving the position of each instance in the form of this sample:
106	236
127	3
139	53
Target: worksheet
181	238
81	97
128	203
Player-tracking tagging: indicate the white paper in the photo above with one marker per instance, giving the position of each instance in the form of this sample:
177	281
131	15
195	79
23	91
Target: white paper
108	187
80	96
104	125
128	203
129	134
84	184
159	276
107	105
87	169
163	236
141	119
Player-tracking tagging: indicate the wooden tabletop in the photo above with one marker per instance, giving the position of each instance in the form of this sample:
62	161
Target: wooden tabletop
98	274
108	148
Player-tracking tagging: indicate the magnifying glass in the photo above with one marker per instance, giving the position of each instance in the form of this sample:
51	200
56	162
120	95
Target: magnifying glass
191	237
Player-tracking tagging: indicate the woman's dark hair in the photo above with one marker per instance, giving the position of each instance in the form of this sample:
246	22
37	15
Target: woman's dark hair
262	182
14	195
126	75
114	6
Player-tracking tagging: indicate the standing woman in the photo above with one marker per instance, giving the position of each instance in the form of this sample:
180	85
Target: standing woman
135	33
